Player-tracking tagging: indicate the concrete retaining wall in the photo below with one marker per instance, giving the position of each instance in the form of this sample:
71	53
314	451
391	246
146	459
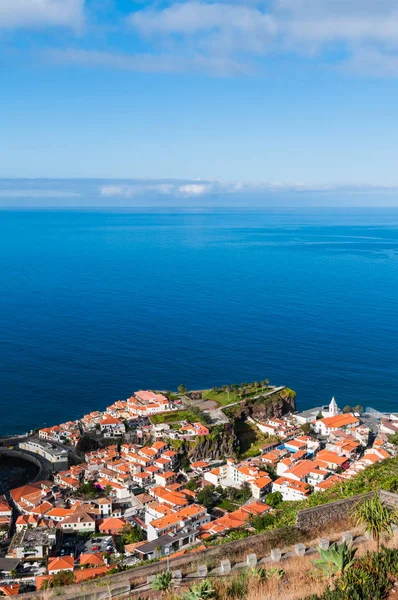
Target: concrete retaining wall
24	456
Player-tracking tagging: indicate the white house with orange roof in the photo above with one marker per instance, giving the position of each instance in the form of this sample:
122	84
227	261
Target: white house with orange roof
192	516
330	424
5	512
112	426
291	489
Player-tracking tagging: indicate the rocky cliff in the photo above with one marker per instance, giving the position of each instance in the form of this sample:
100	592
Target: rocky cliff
221	443
261	408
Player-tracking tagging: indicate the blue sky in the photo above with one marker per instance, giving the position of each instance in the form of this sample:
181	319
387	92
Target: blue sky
300	94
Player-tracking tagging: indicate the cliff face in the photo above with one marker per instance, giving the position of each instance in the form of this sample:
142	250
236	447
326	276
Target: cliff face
222	443
277	405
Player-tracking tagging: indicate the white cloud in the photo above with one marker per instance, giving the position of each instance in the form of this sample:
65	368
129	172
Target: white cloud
41	13
161	188
149	63
193	17
195	189
372	62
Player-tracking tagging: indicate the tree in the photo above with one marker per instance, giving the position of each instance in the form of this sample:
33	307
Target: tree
306	428
192	485
266	383
14	573
377	517
206	497
358	408
393	439
274	499
228	390
107	489
131	534
182	389
347	409
262	522
203	591
63	578
336	559
163	582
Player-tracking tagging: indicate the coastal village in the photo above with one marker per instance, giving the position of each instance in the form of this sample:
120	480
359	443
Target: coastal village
141	481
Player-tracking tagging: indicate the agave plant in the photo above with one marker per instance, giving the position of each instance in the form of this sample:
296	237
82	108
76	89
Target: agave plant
163	582
336	559
203	591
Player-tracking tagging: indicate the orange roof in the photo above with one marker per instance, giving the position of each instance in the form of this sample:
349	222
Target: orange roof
112	523
61	563
329	457
167	475
159	445
95	559
262	482
340	420
59	512
10	590
173	518
296	485
199	464
85	574
110	421
300	469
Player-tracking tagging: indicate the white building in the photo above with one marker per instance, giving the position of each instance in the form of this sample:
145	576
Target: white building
57	457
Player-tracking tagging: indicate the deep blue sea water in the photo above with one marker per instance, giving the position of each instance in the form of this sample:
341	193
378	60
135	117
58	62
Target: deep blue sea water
95	305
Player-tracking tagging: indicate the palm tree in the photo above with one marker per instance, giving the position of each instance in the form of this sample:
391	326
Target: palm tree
203	591
266	383
163	582
377	517
182	390
228	390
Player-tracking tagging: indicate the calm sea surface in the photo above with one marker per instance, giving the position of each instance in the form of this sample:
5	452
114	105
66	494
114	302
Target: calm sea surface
95	305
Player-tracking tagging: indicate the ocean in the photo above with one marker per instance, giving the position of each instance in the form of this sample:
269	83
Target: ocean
96	304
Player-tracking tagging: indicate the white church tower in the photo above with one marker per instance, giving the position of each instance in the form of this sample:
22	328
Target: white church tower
333	408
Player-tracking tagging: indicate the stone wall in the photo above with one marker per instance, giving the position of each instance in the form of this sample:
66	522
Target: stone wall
322	515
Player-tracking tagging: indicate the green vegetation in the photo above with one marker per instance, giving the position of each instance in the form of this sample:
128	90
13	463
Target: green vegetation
378	518
163	582
59	580
336	559
193	415
274	499
202	591
393	439
227	394
207	497
173	417
88	490
131	534
226	504
381	476
251	439
367	578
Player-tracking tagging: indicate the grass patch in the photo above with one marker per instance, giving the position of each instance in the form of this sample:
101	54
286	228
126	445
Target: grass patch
222	399
173	417
226	504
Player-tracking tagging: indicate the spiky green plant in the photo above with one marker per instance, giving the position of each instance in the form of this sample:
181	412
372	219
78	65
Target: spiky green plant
376	517
203	591
336	559
163	582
